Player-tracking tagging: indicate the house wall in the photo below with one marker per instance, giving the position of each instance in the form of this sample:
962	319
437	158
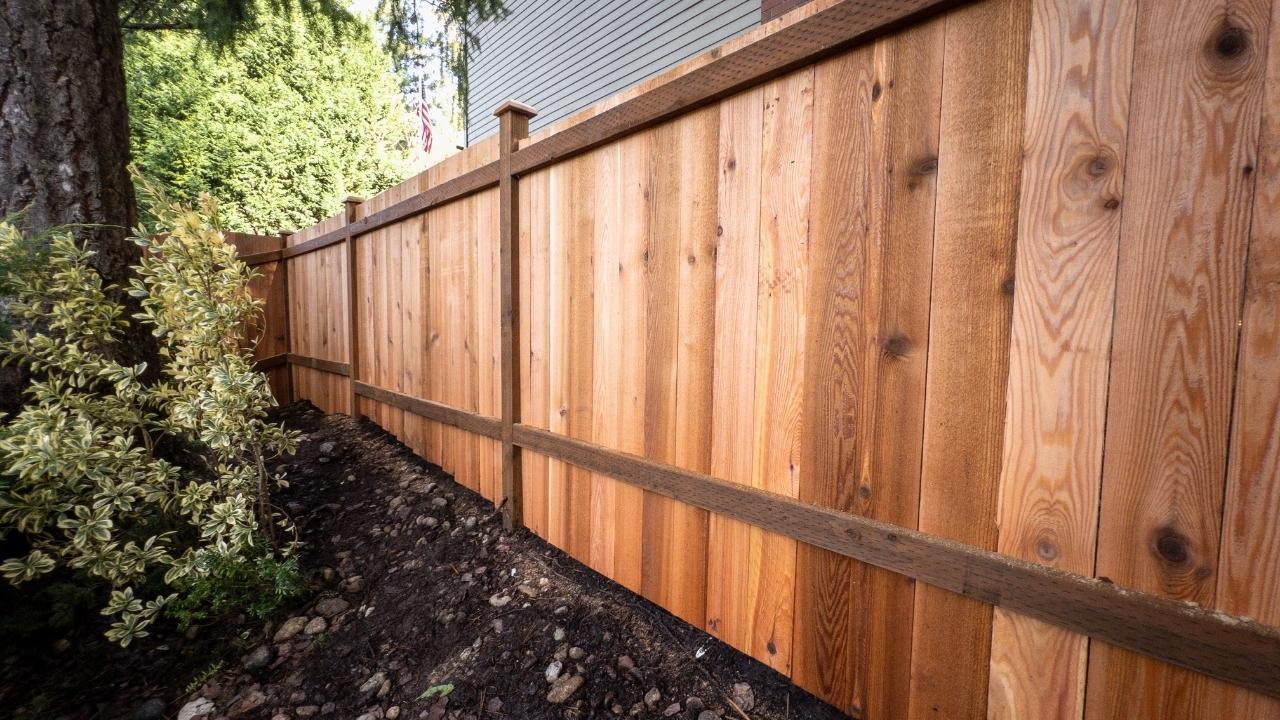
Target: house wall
562	56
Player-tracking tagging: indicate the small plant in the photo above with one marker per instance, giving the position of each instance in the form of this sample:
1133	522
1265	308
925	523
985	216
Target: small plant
202	677
259	587
82	476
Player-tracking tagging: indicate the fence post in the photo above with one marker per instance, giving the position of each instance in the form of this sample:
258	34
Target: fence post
283	266
513	126
353	353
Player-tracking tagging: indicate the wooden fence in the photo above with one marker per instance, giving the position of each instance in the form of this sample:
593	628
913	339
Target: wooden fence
927	351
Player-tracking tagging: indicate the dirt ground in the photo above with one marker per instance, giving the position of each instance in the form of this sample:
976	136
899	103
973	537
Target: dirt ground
422	606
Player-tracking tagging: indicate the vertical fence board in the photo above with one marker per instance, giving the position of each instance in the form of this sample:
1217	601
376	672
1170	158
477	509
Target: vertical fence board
682	267
780	342
976	223
731	574
1197	102
1249	579
534	339
1069	226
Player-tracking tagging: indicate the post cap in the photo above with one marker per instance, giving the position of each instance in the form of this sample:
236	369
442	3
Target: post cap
353	200
516	107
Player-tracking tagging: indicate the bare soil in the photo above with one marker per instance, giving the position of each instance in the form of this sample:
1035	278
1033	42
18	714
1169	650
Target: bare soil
414	586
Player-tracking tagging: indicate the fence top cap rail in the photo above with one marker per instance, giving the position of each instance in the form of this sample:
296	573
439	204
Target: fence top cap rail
515	106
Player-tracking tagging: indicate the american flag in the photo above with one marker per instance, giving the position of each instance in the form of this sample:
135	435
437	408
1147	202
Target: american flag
424	125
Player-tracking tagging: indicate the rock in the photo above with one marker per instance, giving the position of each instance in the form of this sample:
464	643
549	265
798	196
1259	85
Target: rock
61	645
558	635
258	660
553	671
708	715
625	663
368	716
305	711
297	697
327	448
564	688
329	607
499	600
439	502
152	709
694	704
373	684
315	626
291	627
577	653
247	704
652	697
198	708
526	590
280	716
672	710
353	584
327	708
393	712
493	705
743	696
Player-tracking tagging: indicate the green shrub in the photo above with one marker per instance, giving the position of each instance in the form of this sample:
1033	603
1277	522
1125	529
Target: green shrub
258	587
83	480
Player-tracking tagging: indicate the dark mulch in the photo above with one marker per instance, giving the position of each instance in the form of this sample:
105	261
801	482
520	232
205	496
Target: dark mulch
422	588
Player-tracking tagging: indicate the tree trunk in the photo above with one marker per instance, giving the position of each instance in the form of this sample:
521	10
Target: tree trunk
64	133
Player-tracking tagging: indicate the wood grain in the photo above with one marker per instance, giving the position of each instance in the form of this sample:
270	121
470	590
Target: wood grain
730	573
1196	109
978	157
679	354
1230	648
1080	62
1249	576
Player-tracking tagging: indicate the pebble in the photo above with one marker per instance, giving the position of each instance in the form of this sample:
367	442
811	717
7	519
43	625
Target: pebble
626	663
393	712
353	584
280	716
439	502
493	705
248	703
61	645
708	715
499	600
291	627
577	653
553	671
303	711
652	697
316	626
152	709
694	703
198	708
743	696
258	660
327	448
672	710
370	686
329	607
558	634
564	688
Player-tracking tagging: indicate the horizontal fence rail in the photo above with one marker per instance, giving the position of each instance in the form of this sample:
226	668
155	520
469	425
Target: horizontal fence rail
873	204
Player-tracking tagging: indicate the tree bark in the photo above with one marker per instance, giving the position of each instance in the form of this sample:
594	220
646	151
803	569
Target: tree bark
64	134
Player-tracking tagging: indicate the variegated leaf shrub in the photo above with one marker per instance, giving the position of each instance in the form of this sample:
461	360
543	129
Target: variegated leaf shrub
82	475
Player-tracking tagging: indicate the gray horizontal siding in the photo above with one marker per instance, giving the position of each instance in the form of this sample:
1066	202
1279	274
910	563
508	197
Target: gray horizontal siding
563	55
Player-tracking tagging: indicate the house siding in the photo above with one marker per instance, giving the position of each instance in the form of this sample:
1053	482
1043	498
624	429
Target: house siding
561	56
